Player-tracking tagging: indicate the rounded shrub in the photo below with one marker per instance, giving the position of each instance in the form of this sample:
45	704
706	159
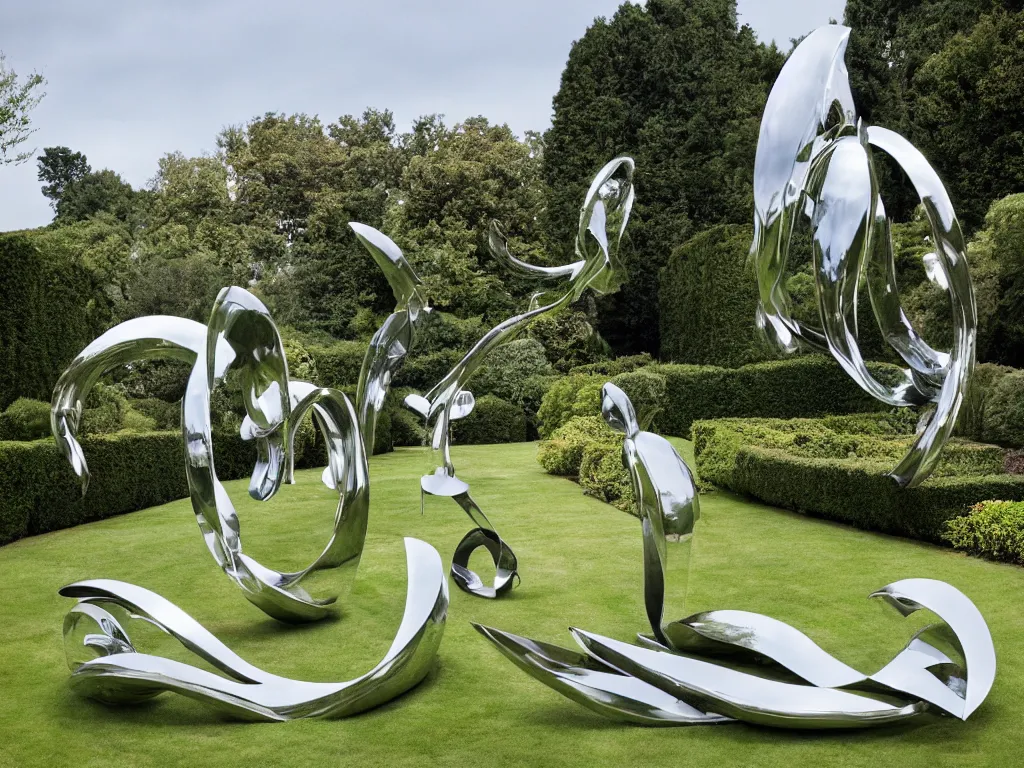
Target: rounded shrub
603	476
567	398
493	420
25	419
646	389
562	453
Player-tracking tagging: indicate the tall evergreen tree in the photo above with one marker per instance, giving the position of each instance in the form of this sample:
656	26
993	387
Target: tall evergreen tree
680	87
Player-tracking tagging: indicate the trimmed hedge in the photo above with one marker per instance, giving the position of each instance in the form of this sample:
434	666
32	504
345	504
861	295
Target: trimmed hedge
493	420
806	386
761	458
563	453
45	317
25	419
40	493
708	299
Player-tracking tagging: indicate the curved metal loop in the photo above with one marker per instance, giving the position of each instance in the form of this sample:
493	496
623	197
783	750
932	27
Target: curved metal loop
393	340
120	674
604	216
241	336
814	159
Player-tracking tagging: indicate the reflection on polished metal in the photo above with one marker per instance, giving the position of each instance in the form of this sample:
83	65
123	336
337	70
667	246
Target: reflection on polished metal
105	664
655	684
815	160
240	336
603	219
392	341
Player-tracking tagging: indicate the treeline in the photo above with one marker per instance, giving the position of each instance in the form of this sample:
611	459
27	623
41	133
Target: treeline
677	84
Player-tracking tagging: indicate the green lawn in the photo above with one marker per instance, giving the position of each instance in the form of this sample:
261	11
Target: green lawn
580	564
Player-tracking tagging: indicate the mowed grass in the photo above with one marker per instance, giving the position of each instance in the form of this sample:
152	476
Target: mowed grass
580	565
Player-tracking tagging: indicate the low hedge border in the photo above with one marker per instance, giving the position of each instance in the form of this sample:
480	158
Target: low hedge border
852	491
40	493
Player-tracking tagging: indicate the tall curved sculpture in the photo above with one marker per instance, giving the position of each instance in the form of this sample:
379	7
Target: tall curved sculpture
815	160
948	667
604	216
240	336
105	665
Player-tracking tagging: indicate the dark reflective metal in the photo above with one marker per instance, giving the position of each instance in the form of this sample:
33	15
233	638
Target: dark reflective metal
815	161
604	216
117	673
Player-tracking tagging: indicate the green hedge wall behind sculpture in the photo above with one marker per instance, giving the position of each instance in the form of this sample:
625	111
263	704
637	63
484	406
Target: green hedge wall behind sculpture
708	297
40	493
44	318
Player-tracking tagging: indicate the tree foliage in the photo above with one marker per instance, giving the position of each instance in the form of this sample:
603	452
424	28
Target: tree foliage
17	100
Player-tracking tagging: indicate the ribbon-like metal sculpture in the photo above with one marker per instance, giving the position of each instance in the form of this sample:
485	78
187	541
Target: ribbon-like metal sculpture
814	160
242	337
654	684
603	219
106	666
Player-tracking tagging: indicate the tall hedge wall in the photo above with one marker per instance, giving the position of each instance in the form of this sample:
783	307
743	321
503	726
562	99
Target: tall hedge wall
44	318
708	297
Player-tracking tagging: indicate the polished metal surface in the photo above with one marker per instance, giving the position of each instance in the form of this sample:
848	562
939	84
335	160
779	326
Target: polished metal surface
604	216
816	163
106	666
241	337
392	341
948	667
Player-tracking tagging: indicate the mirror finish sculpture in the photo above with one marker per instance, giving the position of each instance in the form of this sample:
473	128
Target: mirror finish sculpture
240	336
815	162
604	216
105	665
660	682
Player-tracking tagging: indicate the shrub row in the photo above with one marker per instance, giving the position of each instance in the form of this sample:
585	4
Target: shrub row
40	493
493	420
771	461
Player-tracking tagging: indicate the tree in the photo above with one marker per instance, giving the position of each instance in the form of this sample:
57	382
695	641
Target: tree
968	101
93	193
680	87
17	100
59	168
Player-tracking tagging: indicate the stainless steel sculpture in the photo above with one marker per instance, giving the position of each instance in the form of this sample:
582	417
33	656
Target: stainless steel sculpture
604	216
815	160
240	336
105	664
656	684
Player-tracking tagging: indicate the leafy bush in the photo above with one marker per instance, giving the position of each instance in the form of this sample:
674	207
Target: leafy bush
421	372
334	365
493	420
165	415
569	340
105	410
562	453
708	299
993	529
614	367
25	419
569	397
40	493
406	428
1004	410
509	367
800	465
971	422
603	476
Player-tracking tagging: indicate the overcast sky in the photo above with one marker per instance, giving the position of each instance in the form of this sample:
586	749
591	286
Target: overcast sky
130	80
